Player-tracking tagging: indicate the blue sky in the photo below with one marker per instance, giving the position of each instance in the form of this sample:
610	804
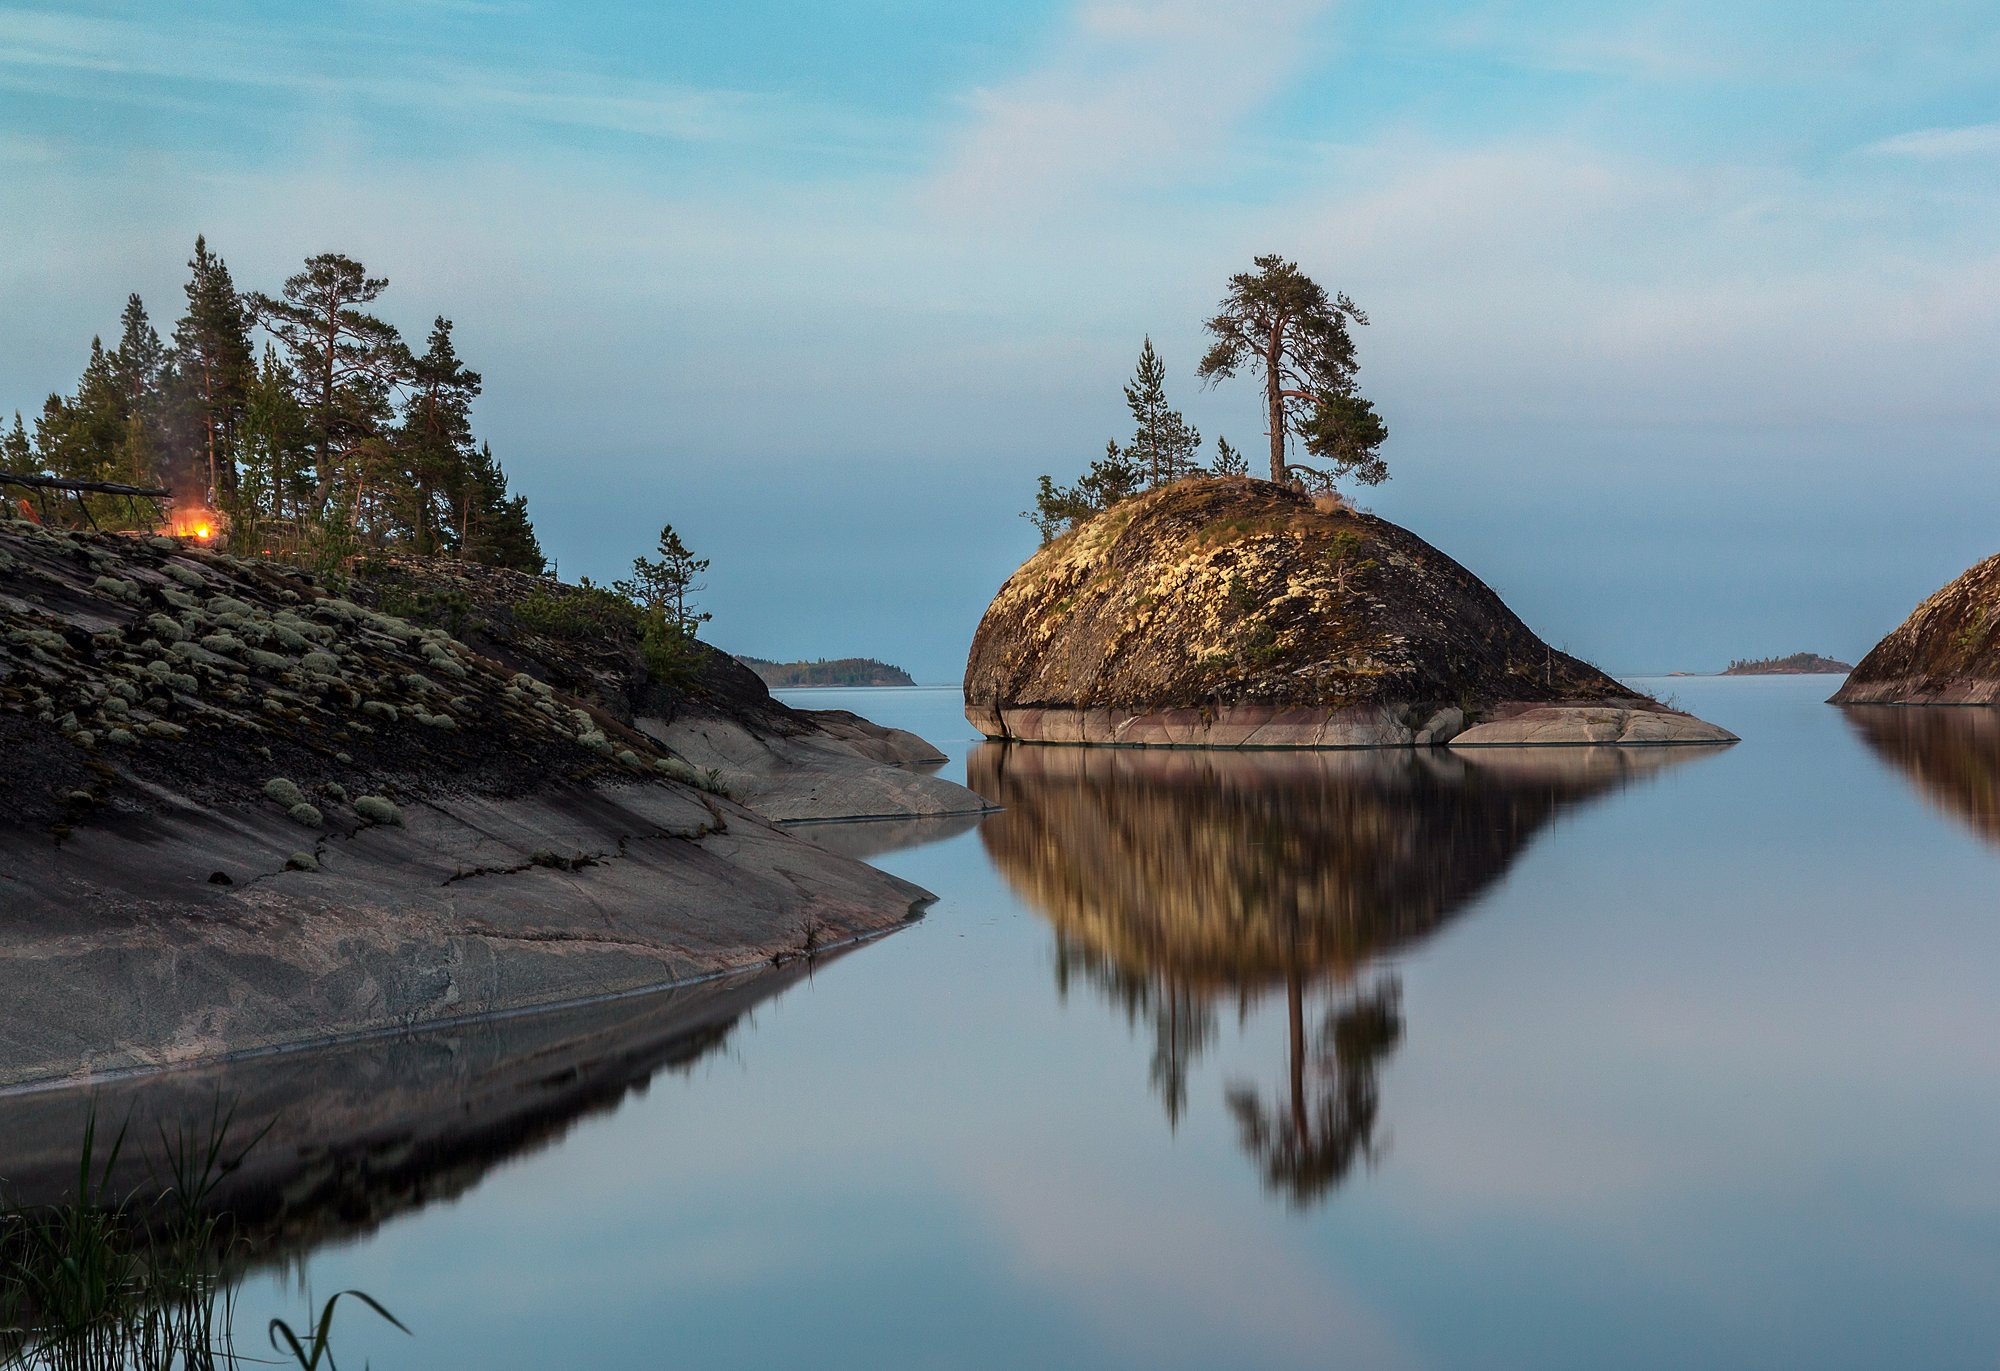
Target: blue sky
1686	316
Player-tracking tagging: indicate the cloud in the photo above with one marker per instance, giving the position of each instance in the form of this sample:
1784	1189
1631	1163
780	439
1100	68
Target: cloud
1930	145
160	64
1141	93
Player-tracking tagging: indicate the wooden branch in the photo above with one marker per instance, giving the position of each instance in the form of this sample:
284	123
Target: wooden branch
93	487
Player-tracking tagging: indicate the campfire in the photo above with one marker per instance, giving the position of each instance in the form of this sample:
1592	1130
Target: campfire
195	522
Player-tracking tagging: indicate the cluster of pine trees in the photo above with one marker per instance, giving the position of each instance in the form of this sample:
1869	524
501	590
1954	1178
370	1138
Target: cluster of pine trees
1164	447
336	436
1281	324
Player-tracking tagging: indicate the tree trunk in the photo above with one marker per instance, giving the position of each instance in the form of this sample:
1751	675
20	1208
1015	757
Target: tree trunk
1273	356
1295	1003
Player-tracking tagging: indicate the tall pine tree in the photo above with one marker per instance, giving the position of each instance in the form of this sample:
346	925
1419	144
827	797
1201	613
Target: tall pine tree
347	363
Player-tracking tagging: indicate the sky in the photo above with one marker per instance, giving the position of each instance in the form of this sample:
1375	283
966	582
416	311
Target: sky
1685	317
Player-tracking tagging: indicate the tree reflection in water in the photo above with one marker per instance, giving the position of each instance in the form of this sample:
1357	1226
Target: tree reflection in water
1178	882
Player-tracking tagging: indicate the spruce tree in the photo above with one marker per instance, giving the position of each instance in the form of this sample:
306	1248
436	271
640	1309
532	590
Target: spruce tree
494	528
1163	443
1113	477
436	441
17	452
212	367
140	364
274	443
83	437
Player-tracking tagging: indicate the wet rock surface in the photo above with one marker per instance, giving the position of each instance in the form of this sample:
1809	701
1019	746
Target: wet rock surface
1946	653
1236	613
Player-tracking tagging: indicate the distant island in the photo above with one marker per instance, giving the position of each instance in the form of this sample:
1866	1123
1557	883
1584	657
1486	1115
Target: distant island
1798	664
842	671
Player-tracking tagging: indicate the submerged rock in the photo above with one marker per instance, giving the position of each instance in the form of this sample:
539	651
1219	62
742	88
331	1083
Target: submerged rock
1946	653
1236	613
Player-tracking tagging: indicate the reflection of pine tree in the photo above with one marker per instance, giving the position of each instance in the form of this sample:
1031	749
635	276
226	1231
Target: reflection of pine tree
1308	1141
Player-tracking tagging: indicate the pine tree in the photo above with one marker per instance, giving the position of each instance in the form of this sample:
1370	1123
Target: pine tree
1228	461
347	362
436	441
665	586
1285	324
1113	477
212	368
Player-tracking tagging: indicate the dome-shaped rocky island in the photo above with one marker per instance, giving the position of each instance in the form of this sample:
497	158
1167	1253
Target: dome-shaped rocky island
1228	612
1946	653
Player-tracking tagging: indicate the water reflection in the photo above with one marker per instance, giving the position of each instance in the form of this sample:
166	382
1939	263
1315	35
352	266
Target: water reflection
350	1136
1179	883
1950	752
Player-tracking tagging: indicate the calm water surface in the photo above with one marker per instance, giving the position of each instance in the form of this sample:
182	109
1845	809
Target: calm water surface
1556	1060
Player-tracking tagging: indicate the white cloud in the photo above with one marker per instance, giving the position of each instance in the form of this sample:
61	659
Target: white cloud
161	63
1139	93
1968	140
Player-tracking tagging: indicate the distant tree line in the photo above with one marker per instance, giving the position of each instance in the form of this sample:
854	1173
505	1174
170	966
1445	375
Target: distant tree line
1296	337
336	436
840	671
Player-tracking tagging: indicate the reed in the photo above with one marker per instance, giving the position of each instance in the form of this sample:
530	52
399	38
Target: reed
142	1281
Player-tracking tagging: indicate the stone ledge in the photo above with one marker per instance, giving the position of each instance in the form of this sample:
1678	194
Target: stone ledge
1272	726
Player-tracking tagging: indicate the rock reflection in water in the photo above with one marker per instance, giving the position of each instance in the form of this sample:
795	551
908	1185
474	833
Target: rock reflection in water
1180	882
1950	752
355	1134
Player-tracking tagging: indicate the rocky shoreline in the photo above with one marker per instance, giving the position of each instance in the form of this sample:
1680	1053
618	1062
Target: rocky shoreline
1946	653
239	811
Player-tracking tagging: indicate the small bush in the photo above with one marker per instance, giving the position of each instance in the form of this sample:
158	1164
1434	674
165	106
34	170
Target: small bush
377	810
584	611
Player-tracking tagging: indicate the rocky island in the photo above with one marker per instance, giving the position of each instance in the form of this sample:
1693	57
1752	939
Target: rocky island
1798	664
1946	653
1230	612
241	811
841	671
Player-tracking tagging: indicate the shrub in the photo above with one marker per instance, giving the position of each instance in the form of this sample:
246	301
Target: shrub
377	810
584	611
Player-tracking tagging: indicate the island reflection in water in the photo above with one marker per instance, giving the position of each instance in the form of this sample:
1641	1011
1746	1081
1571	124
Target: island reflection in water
1179	882
1950	752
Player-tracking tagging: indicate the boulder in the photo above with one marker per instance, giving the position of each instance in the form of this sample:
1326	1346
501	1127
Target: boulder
1238	613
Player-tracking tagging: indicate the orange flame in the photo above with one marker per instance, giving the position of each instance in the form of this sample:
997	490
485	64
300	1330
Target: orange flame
199	524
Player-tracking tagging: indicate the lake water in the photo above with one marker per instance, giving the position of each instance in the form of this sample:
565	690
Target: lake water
1567	1059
